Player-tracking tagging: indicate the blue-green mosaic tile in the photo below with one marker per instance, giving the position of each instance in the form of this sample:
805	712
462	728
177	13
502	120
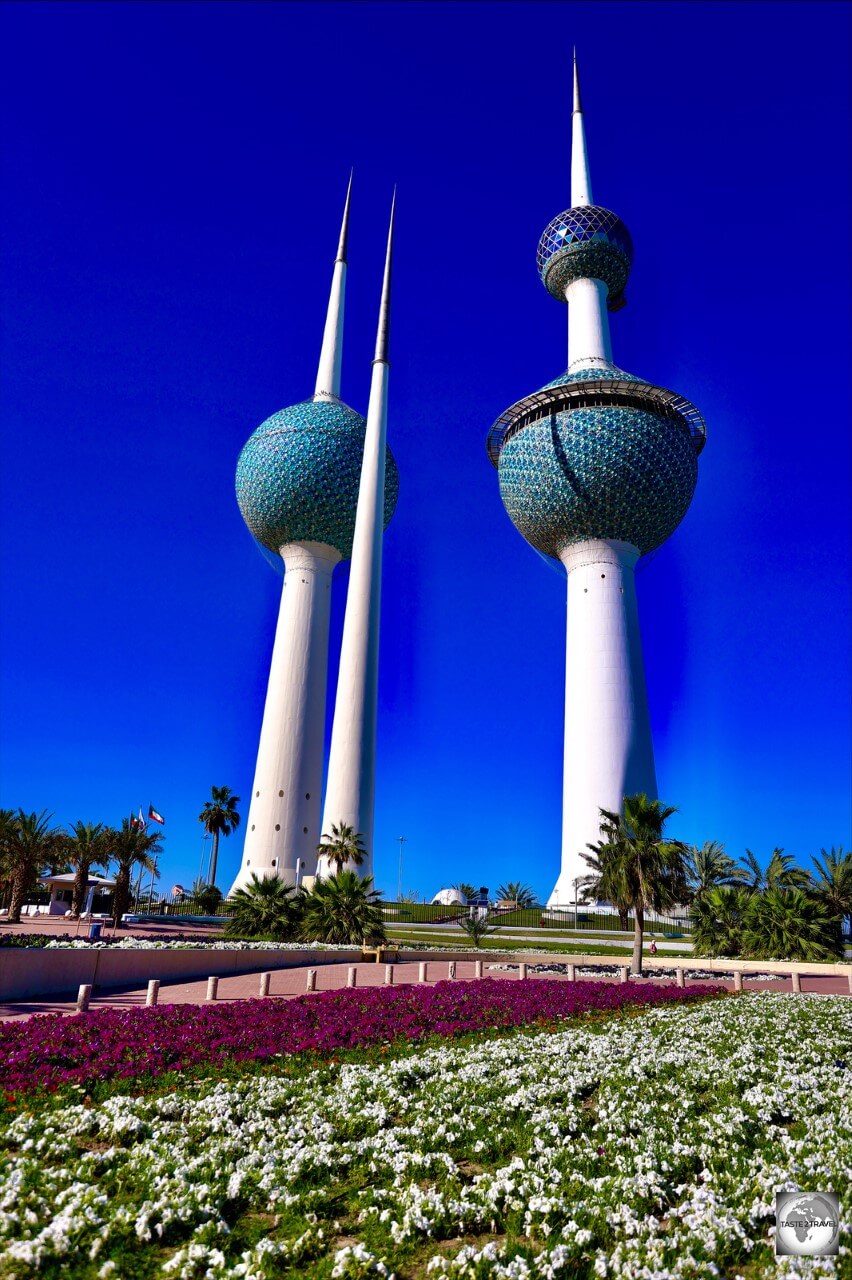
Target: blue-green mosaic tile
298	476
605	472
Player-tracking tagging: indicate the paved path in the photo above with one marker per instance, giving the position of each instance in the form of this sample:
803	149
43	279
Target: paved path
291	982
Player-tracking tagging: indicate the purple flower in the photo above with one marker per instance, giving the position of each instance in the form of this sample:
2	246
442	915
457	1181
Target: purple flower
51	1050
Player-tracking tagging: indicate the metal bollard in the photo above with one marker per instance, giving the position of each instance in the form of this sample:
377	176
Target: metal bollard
738	980
153	993
352	976
265	980
423	976
572	973
797	982
522	971
681	977
212	988
451	969
388	975
311	984
477	972
84	995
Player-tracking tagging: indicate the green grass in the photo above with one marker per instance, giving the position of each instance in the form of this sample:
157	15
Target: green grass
496	943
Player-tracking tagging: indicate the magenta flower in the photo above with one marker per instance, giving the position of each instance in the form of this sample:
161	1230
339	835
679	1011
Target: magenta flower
51	1050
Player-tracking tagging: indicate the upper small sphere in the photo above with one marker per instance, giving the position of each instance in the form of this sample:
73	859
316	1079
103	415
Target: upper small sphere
582	243
298	476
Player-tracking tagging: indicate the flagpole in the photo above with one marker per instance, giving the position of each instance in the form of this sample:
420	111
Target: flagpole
141	822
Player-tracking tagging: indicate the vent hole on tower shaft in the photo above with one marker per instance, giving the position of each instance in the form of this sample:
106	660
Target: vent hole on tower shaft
278	826
603	575
307	795
305	829
280	793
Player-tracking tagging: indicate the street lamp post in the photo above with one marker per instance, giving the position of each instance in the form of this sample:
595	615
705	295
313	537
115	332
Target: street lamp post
576	925
402	840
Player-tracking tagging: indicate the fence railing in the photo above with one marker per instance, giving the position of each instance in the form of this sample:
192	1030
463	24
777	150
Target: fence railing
585	919
563	918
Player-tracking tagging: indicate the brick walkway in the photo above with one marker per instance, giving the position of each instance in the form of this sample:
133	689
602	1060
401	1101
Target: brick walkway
289	983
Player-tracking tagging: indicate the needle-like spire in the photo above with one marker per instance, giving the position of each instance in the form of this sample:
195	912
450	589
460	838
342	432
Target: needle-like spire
351	784
331	356
383	334
581	183
344	228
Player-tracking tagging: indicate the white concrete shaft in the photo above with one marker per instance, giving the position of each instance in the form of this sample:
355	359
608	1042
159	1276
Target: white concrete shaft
331	355
608	747
283	818
351	785
588	324
581	182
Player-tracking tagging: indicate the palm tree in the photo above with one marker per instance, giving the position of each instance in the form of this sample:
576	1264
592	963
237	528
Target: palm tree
27	841
466	890
604	884
205	896
341	846
476	927
718	916
130	847
219	817
343	908
833	882
710	866
789	924
85	848
641	868
520	894
266	908
781	872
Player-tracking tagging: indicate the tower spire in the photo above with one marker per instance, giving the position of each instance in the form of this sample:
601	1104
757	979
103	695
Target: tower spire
383	333
351	786
331	356
581	182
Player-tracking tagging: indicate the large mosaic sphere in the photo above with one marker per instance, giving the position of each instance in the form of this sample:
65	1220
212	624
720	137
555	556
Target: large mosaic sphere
613	464
298	476
588	241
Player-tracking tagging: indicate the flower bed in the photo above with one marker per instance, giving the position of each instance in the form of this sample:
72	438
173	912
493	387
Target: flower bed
52	1050
633	1147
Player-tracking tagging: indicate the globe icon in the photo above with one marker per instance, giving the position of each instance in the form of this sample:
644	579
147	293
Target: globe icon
807	1225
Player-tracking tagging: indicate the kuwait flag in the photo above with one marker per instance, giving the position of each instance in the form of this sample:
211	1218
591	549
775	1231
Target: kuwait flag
153	816
138	823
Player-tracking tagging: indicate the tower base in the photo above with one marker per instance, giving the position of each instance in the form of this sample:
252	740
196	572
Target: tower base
608	748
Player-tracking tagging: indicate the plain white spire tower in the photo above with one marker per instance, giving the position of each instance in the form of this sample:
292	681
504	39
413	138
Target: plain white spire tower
351	785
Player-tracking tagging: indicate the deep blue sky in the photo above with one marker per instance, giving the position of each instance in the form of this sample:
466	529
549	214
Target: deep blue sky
173	180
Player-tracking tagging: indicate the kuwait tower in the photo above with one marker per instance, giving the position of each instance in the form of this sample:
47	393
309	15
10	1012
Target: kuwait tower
298	479
596	469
